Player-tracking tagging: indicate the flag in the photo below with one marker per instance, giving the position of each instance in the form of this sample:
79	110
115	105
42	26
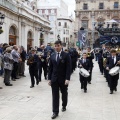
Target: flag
82	36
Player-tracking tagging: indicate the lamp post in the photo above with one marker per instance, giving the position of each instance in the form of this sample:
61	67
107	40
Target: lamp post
2	17
41	35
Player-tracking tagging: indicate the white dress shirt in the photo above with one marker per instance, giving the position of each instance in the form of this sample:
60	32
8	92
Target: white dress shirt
57	54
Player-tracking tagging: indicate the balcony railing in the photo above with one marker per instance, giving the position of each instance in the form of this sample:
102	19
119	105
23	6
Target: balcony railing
9	4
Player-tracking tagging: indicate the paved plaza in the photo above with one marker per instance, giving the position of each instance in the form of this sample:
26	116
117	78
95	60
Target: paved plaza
19	102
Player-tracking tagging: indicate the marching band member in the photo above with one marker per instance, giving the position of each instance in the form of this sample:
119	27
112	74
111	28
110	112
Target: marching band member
90	57
42	62
106	55
112	62
84	63
33	68
100	61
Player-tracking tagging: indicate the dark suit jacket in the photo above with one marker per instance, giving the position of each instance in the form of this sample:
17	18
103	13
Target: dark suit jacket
110	62
85	65
61	71
91	58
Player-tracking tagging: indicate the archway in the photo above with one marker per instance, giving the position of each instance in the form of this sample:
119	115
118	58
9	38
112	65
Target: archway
29	40
12	35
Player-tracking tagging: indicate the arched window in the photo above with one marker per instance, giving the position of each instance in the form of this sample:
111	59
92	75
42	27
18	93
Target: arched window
59	24
12	30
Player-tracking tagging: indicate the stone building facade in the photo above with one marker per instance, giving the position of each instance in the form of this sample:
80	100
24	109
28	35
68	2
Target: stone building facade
90	12
22	25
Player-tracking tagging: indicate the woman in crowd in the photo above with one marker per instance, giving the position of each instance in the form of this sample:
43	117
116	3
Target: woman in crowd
8	66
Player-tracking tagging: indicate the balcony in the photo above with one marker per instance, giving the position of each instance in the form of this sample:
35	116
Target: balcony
101	7
85	8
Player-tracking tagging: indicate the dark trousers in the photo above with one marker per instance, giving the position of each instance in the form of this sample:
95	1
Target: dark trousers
33	73
14	71
7	74
101	66
56	86
39	71
113	81
83	82
44	66
22	68
90	77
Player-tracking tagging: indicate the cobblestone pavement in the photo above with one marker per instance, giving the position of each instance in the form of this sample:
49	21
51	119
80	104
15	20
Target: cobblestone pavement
19	102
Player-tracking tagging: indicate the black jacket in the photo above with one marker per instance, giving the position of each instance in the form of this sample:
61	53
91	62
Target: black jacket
61	71
90	58
85	65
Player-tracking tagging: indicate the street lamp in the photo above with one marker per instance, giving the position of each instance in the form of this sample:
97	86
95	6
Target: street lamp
41	35
2	17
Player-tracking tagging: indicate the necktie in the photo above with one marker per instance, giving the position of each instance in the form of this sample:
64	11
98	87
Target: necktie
58	58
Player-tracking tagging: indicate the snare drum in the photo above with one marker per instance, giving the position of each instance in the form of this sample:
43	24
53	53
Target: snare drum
84	72
114	70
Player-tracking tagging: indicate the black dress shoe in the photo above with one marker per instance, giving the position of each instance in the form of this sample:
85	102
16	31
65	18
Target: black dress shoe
17	78
81	87
85	91
13	79
31	86
37	83
9	84
23	76
63	109
89	82
1	88
111	92
115	89
54	116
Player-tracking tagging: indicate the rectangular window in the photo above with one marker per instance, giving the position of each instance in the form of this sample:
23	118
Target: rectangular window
59	24
101	5
85	24
116	5
46	12
65	25
85	6
40	12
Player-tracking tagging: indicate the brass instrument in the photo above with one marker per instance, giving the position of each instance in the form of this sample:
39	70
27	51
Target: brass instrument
104	62
118	50
89	53
30	60
40	55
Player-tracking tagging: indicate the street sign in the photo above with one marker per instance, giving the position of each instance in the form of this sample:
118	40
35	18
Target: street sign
78	43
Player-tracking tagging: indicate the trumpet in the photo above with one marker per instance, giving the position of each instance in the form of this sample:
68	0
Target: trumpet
89	53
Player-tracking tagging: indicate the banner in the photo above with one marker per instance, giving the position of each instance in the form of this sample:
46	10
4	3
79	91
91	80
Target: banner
109	39
82	36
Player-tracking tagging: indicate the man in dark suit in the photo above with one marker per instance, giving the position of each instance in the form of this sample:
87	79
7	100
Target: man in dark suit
84	63
111	62
42	62
90	57
33	68
59	77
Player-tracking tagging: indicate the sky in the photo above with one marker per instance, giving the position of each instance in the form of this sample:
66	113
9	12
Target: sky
71	6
